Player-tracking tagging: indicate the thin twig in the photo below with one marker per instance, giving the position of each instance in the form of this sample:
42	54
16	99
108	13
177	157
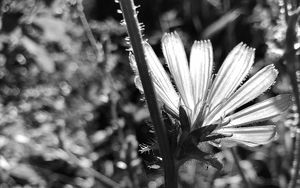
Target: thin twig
100	177
240	170
74	159
286	11
88	31
130	16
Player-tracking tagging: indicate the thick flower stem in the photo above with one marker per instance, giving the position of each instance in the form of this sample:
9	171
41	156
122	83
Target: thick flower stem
130	16
292	62
240	170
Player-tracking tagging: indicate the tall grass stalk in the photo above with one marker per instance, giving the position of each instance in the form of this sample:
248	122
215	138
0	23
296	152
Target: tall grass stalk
134	32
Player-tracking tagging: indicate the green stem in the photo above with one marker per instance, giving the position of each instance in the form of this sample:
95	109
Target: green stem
292	62
240	170
130	16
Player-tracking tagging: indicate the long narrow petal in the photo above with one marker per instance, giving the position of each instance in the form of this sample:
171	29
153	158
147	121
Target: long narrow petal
176	59
137	80
162	84
232	72
255	86
201	65
250	136
261	111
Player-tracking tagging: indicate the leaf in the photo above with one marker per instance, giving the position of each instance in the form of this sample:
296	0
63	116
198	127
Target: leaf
184	120
221	23
202	132
215	137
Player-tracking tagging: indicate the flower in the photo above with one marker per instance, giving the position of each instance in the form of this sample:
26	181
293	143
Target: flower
210	101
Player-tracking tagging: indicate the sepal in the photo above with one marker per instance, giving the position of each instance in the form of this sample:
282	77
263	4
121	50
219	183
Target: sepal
191	151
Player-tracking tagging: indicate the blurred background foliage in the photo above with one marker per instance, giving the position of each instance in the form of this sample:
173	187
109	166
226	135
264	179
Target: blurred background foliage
71	115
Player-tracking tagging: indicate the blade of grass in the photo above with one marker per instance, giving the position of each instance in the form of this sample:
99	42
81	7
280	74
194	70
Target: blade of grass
221	23
130	16
240	170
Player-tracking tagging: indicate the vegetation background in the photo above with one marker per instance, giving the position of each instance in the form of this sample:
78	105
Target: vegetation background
70	115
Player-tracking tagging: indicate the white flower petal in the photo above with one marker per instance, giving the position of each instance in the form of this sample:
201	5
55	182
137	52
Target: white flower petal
201	66
133	64
250	136
170	103
157	69
162	84
176	59
137	80
232	72
255	86
162	80
138	83
261	111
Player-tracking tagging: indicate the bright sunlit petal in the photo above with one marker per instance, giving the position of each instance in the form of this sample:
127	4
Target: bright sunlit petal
261	111
176	59
162	84
207	101
251	136
201	66
161	79
232	72
254	87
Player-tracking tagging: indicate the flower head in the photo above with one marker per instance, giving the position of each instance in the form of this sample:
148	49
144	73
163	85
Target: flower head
209	101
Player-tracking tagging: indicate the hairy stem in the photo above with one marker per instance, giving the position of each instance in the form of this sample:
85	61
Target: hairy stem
130	16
